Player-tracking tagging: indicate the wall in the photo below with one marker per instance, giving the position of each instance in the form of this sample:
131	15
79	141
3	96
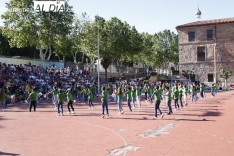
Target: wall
18	61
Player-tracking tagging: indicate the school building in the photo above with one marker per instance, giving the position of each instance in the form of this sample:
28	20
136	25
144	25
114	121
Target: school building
207	48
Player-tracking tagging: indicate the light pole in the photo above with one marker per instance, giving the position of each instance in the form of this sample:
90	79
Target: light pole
98	18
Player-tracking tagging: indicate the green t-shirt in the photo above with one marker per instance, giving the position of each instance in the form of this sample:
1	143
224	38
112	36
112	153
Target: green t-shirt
193	89
93	89
168	97
185	91
55	92
138	91
33	96
180	91
90	96
128	93
61	97
151	90
202	88
105	95
213	88
148	91
176	94
120	96
85	90
69	97
173	88
157	95
3	98
78	91
161	90
134	93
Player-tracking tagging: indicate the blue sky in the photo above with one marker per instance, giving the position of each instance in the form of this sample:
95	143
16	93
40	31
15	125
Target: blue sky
151	16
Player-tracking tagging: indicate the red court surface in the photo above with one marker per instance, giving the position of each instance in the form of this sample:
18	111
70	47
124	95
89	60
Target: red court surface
202	129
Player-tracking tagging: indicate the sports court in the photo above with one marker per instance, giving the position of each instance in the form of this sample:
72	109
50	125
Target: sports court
202	129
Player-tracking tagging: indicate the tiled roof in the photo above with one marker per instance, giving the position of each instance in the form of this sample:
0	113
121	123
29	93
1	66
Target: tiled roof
207	22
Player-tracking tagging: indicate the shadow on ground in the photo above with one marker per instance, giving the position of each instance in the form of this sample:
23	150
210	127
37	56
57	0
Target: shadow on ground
11	154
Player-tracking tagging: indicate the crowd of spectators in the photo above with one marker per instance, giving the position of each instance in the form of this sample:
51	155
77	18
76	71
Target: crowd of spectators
18	80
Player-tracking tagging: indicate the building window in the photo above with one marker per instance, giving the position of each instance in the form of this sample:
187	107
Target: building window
201	54
210	77
191	36
209	34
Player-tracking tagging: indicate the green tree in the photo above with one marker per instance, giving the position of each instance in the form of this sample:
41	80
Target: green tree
63	46
118	42
160	49
147	54
166	47
79	35
226	74
35	29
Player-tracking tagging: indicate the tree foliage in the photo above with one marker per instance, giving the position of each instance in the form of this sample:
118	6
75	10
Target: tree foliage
226	74
36	29
69	35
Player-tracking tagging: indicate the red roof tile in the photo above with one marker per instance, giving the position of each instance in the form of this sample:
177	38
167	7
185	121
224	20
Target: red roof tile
207	22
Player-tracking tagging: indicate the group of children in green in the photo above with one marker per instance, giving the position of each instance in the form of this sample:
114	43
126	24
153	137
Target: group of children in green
158	92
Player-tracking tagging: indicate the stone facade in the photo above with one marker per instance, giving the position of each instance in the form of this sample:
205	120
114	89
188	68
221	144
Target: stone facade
219	51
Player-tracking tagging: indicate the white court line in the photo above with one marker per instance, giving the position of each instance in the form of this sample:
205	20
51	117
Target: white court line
125	142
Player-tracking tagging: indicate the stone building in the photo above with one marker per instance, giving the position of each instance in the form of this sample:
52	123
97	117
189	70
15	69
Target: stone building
207	48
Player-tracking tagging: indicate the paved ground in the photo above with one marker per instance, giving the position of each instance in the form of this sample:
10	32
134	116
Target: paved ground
202	129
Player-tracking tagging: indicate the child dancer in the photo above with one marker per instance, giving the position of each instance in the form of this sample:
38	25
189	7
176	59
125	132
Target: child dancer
2	99
138	96
185	92
133	97
70	102
90	98
120	98
61	97
176	96
129	98
180	96
168	100
157	99
33	100
105	94
213	90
